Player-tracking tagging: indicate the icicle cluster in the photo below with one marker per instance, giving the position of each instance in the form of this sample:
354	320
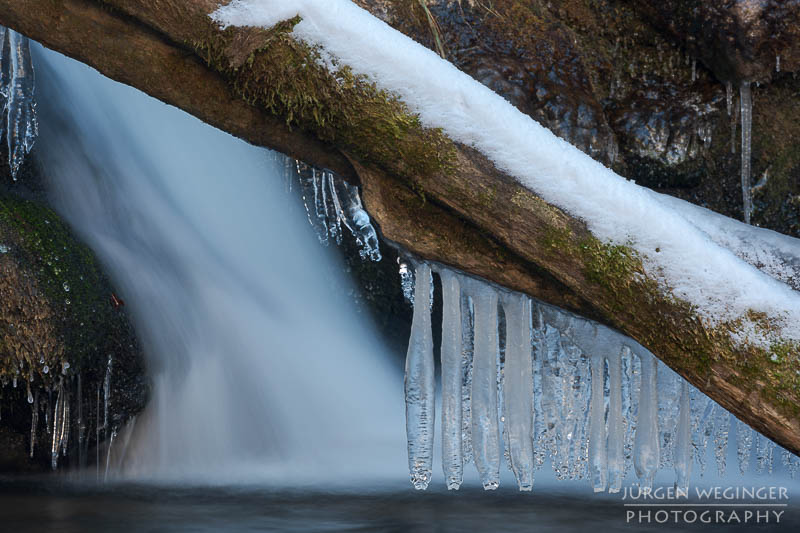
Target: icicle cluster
533	383
17	101
67	413
330	204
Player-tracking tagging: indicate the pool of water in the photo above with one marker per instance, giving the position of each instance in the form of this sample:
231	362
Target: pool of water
62	506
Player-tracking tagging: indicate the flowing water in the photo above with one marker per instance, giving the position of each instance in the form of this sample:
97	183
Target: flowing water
261	368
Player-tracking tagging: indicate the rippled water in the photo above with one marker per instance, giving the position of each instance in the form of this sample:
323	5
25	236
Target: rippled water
34	505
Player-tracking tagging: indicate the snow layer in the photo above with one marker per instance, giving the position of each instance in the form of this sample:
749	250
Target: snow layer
675	250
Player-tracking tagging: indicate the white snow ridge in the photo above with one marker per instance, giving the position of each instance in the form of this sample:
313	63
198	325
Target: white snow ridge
697	259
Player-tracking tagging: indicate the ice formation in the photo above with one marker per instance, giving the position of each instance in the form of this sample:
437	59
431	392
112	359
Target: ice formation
17	101
746	104
539	383
419	385
331	203
695	268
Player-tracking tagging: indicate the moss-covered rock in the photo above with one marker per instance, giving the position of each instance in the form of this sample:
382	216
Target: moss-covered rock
59	319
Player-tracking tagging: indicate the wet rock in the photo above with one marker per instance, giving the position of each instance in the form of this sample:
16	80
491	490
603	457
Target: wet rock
737	39
663	131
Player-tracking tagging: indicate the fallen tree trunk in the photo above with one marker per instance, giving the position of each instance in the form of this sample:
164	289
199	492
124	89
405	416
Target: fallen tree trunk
437	199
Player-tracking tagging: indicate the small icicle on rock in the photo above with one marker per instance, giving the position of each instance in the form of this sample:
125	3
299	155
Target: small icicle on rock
330	203
595	403
17	102
746	105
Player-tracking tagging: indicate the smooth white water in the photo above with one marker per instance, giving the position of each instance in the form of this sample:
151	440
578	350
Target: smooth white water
262	370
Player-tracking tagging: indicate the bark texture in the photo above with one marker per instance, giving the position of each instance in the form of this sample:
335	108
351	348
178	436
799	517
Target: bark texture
439	200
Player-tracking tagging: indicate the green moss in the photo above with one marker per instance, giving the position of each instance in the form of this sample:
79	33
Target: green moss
270	69
555	240
69	277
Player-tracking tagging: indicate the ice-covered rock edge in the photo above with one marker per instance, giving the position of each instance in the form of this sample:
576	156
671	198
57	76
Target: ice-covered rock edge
719	276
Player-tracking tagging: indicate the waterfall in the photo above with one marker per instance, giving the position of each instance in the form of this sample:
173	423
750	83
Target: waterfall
261	369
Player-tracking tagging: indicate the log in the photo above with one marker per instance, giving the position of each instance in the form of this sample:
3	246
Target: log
437	199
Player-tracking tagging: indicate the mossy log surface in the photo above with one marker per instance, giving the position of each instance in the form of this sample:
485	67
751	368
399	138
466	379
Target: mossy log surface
439	200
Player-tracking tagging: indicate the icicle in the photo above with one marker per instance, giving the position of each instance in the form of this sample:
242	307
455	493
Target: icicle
791	462
30	396
107	394
764	453
746	104
646	454
58	414
694	70
34	421
729	96
22	126
538	345
320	207
744	443
419	384
97	435
5	72
65	424
734	122
407	282
451	353
669	388
722	424
518	389
574	374
108	454
467	345
81	425
356	219
616	428
549	394
631	381
499	382
598	457
683	457
485	426
47	409
777	63
702	425
323	192
335	226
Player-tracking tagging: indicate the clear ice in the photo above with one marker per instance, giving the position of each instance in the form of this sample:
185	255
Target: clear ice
17	87
746	105
419	384
331	203
452	447
485	424
518	389
561	389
